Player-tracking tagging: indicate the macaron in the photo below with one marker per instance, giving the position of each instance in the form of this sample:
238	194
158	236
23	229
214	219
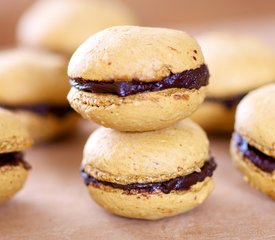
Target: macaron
34	85
62	25
238	64
14	171
149	175
137	79
253	143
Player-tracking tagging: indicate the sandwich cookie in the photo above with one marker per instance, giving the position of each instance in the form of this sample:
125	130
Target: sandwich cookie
238	64
133	78
149	175
62	25
253	143
34	85
14	138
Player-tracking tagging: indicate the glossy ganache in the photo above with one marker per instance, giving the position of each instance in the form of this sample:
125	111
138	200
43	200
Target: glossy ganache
176	184
189	79
258	158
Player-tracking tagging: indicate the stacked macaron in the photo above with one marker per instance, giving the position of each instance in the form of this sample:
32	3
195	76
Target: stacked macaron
33	84
239	64
140	82
137	79
253	143
14	138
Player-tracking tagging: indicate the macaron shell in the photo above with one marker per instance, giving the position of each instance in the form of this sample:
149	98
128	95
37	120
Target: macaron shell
14	137
49	127
12	179
139	112
29	77
125	53
238	63
255	119
77	20
151	206
255	177
155	156
215	118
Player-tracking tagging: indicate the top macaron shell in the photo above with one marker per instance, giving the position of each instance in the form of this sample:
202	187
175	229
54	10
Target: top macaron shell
146	157
62	25
238	63
255	119
14	137
125	53
29	77
138	55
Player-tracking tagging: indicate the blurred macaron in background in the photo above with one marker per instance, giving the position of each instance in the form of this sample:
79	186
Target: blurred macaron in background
62	25
238	63
34	85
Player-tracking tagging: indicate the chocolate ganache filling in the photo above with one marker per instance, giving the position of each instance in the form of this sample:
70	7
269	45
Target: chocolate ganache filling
41	109
258	158
13	159
228	102
189	79
177	184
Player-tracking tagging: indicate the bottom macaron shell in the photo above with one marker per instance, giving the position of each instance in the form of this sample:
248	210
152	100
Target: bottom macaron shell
215	118
12	179
139	112
49	127
148	205
258	179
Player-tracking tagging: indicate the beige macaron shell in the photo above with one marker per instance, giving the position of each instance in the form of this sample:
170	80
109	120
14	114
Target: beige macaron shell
62	25
14	137
29	77
255	119
215	117
49	127
154	156
151	206
124	53
12	179
138	112
260	180
238	63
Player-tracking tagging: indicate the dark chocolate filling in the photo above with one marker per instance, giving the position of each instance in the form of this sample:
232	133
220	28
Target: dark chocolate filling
177	184
190	79
258	158
41	109
228	102
13	159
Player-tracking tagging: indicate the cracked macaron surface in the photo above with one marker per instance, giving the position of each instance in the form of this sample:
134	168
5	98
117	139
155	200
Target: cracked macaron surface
137	78
149	175
253	143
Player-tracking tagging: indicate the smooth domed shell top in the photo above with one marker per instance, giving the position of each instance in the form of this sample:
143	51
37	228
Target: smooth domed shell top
62	25
238	63
30	77
255	119
124	53
153	156
14	137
